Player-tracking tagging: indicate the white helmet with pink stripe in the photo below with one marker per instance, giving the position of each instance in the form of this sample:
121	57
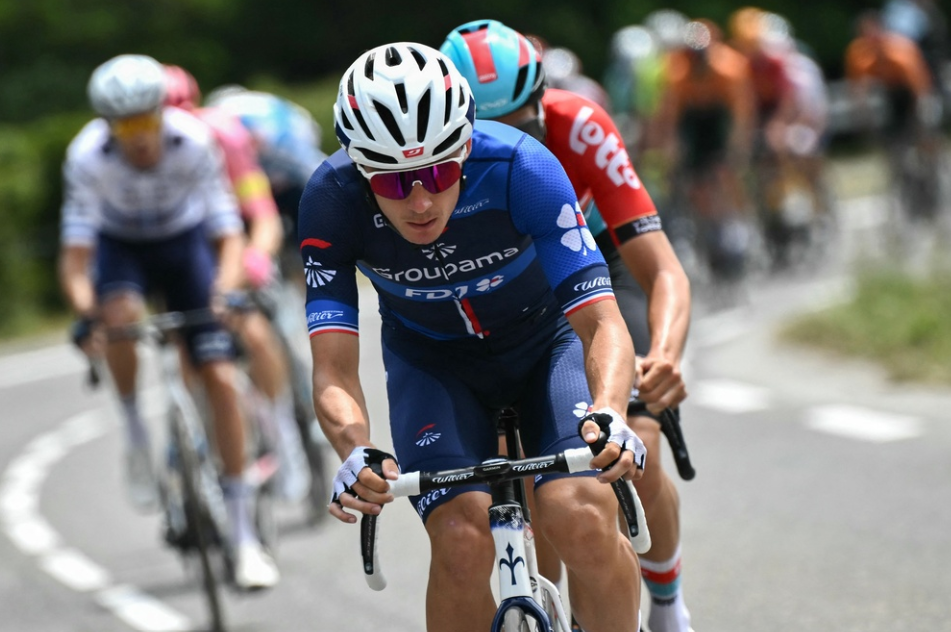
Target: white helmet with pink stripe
402	106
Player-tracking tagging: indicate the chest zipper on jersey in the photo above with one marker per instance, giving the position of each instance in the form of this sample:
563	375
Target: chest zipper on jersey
463	305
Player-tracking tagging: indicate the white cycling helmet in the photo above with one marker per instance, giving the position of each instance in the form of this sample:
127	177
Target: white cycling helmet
401	106
127	85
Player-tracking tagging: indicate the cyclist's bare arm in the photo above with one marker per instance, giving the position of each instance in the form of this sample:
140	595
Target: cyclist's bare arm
266	233
74	279
609	366
656	268
229	277
342	412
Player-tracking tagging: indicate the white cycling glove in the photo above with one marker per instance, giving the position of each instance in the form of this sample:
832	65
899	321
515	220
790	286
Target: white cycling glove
361	457
619	433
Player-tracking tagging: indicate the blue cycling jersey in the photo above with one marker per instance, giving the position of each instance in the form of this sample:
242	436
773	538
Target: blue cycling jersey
516	245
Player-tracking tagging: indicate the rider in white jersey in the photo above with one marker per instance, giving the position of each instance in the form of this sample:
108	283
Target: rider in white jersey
108	195
145	196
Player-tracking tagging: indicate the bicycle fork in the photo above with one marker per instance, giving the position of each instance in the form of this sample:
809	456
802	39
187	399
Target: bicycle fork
515	581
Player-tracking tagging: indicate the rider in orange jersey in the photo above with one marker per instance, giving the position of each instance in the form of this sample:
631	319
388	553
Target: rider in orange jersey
706	122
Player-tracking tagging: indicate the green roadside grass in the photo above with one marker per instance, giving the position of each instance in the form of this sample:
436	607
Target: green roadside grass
899	321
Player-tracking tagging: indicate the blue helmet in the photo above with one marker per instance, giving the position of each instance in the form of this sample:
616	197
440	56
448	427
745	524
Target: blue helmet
503	68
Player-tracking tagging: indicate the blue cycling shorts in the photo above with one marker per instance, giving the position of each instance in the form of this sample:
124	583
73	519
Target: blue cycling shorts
180	270
444	397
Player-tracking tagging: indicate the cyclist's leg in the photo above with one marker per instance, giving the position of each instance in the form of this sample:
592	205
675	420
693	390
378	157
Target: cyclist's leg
604	582
187	285
455	430
120	287
604	586
268	369
656	489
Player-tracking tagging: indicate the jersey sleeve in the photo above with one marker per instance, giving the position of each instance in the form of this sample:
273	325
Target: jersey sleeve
248	180
586	140
81	211
543	204
221	207
624	204
327	235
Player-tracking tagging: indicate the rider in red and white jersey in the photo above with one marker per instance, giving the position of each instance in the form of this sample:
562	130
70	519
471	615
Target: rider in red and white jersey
506	76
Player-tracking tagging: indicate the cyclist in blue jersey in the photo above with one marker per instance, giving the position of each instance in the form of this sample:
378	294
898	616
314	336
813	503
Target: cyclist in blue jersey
492	293
145	196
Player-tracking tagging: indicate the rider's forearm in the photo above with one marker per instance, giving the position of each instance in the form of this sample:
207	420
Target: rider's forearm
75	282
230	275
338	395
669	315
653	263
266	234
608	354
342	415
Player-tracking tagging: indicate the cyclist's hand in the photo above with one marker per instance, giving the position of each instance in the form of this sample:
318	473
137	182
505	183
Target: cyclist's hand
624	455
661	384
357	487
230	308
258	267
87	334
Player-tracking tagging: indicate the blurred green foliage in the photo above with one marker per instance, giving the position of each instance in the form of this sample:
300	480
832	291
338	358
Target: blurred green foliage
48	48
894	319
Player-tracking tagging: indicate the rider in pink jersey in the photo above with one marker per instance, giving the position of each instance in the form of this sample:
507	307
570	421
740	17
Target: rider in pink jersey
269	368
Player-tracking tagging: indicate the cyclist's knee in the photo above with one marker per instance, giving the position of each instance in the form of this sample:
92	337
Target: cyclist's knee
121	309
218	375
579	509
462	545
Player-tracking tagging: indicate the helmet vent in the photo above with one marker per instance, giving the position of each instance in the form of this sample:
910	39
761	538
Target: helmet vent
346	121
418	56
401	96
422	115
376	156
368	66
520	81
350	89
390	122
363	124
449	142
392	57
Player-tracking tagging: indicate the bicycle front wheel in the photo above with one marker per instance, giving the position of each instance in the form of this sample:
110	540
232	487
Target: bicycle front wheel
197	515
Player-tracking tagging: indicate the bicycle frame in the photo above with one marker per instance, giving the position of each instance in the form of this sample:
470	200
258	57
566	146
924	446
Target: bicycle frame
512	536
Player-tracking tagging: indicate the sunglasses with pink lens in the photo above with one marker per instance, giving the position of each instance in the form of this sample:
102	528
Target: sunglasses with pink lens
397	185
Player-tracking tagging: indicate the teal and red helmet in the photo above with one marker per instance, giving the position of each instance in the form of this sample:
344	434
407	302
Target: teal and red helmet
502	66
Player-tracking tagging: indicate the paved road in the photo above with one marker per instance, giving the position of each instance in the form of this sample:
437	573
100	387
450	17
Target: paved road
822	501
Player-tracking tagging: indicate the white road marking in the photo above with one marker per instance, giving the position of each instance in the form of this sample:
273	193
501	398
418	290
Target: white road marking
729	396
20	488
141	611
863	424
75	570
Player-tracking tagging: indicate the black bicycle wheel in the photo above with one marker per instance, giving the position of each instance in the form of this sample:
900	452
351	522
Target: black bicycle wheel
198	517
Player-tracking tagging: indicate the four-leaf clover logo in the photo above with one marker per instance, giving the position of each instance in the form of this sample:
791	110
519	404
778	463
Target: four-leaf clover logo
578	237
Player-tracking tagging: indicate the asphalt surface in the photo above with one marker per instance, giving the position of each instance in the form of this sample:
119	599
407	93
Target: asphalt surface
822	499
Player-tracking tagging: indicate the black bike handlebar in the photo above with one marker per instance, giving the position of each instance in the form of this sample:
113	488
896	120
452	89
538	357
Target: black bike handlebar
669	421
167	322
494	472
